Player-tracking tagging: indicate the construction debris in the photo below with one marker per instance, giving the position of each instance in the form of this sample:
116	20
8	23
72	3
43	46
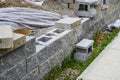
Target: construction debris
114	25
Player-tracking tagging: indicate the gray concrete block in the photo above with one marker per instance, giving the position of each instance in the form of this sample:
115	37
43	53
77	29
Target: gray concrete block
85	44
68	23
44	68
30	45
65	5
10	60
16	72
72	5
54	47
32	62
83	50
44	40
33	75
53	61
67	40
18	41
42	54
60	56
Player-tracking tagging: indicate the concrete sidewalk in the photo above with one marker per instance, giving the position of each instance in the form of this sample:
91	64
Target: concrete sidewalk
107	65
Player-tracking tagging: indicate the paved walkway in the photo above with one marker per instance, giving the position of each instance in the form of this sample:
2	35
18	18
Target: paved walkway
107	65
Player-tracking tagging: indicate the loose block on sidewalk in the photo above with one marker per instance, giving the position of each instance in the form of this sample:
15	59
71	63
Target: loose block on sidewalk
6	37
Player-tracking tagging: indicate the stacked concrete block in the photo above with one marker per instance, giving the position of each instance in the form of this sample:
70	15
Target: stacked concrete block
60	56
71	4
49	47
65	5
68	23
30	46
67	40
53	60
33	75
44	68
15	73
13	65
10	60
18	40
32	62
6	37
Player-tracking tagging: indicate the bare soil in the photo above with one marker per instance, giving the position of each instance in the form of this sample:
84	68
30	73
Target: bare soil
48	5
16	3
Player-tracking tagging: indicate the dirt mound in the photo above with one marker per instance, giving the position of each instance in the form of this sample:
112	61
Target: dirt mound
16	3
49	5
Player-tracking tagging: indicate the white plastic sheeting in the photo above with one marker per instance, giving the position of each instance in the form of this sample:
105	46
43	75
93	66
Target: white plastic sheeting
28	16
14	25
35	2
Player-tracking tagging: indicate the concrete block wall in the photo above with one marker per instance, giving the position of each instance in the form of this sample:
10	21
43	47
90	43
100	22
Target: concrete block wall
71	4
13	65
36	58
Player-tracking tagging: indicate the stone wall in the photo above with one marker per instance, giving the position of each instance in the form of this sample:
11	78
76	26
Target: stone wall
33	60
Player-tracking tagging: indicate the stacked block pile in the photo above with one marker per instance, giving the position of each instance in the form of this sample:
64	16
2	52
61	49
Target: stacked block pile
9	40
71	4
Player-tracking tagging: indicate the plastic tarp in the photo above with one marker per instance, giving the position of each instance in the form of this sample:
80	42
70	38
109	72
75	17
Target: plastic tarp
27	17
35	2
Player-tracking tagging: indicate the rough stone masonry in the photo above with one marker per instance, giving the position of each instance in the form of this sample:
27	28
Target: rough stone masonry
36	58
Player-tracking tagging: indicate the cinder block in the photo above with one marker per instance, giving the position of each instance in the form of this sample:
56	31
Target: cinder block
72	5
42	53
6	37
18	40
53	61
33	75
30	46
54	47
65	5
68	23
10	60
60	56
44	68
32	62
16	72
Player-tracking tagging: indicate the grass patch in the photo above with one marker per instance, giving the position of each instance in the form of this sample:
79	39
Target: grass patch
101	41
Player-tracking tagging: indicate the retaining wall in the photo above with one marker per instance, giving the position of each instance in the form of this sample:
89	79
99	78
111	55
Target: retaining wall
35	59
